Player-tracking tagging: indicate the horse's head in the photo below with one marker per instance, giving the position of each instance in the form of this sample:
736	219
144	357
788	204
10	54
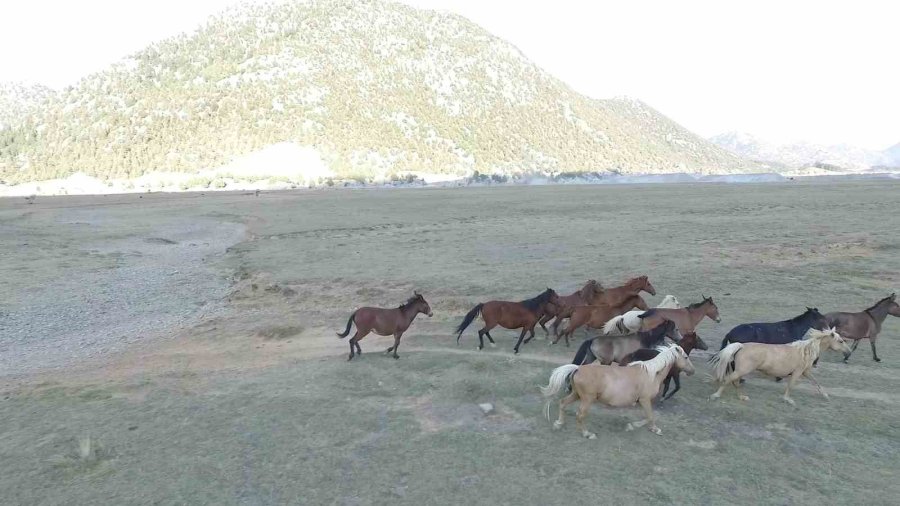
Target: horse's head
710	309
692	340
421	304
682	361
831	340
816	319
893	307
643	283
670	330
551	297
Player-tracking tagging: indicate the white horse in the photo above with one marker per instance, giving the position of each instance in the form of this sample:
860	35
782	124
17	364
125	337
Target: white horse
629	323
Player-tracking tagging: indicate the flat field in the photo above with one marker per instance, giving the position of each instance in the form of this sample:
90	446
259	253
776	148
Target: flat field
180	348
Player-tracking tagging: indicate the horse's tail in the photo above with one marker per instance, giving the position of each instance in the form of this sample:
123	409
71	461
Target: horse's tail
720	361
583	351
614	324
560	376
471	315
349	323
725	341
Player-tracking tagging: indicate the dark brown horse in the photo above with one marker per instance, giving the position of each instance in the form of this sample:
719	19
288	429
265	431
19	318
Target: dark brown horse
509	315
610	297
582	297
597	315
385	322
865	324
687	318
688	343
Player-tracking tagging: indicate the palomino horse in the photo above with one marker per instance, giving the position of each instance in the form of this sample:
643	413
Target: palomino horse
780	360
613	349
611	297
509	315
585	296
865	324
687	318
687	343
385	322
595	316
614	386
629	323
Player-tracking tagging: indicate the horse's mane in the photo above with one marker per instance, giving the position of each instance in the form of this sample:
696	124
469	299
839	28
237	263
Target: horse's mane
880	302
535	303
698	304
810	345
805	314
409	301
666	357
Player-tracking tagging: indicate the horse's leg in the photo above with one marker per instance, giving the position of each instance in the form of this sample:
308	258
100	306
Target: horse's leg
677	378
583	409
481	334
565	401
556	324
531	336
491	339
809	375
647	404
542	322
521	337
396	345
795	376
852	349
354	342
874	353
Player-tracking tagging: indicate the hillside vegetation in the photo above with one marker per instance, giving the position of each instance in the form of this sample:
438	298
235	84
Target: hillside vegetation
376	88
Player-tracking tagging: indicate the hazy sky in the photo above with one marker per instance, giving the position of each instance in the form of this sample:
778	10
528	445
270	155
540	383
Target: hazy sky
822	71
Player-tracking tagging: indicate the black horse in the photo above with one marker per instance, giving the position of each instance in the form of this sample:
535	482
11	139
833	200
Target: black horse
782	332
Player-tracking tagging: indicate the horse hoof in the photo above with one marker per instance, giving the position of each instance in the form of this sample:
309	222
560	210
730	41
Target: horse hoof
790	401
744	398
589	435
656	430
877	359
396	356
557	425
629	428
493	345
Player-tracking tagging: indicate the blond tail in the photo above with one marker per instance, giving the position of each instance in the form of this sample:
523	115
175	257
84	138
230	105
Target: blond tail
613	325
721	360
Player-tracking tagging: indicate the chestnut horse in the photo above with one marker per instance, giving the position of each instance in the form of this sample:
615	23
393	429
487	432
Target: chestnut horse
614	386
688	343
687	318
385	322
597	315
865	324
585	296
509	315
610	297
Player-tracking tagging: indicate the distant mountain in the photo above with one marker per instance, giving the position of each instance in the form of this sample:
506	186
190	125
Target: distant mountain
804	154
376	88
19	100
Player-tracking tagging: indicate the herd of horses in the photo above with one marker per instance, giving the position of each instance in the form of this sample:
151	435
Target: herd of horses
650	347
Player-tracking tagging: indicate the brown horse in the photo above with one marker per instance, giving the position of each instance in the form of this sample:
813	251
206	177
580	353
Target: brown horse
687	318
597	315
865	324
585	296
509	315
615	386
385	322
688	343
610	297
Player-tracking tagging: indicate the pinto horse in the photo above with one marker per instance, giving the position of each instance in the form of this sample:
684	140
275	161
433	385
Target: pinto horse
688	343
865	324
687	318
585	296
509	315
596	316
385	322
610	297
614	386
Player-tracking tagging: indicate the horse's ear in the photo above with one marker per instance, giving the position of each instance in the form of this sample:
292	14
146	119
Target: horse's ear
416	293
